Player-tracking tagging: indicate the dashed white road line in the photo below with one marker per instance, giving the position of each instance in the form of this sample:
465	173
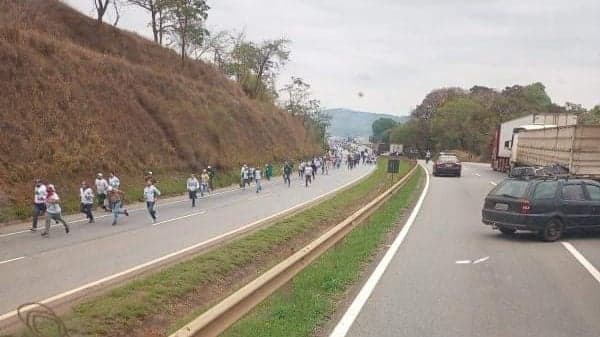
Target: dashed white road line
12	260
582	260
483	259
477	174
178	218
353	311
463	262
494	183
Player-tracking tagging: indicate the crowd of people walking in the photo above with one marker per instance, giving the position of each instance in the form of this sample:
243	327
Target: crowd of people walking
110	198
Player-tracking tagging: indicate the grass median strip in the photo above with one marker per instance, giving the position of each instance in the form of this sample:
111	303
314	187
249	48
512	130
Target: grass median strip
300	308
153	305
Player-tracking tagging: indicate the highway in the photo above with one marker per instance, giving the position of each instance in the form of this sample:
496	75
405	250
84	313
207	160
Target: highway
33	268
454	277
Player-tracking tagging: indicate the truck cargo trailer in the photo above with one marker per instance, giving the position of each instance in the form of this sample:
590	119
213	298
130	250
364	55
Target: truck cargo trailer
574	147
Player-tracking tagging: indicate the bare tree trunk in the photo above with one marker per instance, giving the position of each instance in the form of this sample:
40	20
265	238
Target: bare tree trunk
101	7
154	23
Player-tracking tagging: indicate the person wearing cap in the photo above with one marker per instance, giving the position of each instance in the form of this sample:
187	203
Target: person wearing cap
151	194
54	211
192	186
39	202
101	189
87	200
204	179
115	198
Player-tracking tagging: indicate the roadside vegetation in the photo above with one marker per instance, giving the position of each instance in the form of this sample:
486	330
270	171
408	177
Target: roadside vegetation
302	307
466	120
165	300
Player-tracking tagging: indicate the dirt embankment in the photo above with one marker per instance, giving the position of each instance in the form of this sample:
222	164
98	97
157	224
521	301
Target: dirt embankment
79	98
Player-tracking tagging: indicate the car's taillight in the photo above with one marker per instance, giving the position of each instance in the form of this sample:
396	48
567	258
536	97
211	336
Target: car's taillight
525	207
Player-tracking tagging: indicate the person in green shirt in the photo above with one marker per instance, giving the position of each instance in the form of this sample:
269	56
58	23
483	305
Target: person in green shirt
269	171
287	172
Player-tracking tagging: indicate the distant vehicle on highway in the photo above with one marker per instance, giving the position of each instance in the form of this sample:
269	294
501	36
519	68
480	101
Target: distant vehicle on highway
447	164
547	207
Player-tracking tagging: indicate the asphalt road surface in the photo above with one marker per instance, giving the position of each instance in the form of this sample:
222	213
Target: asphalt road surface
454	277
33	268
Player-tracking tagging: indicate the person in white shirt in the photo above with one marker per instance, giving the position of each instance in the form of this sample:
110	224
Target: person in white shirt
114	181
245	176
257	178
308	173
39	202
87	200
54	211
151	194
192	186
101	189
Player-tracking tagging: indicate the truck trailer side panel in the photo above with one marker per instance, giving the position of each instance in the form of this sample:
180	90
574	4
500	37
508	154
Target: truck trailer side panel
574	147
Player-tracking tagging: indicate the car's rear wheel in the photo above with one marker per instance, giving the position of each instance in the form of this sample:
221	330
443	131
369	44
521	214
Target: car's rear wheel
552	231
507	231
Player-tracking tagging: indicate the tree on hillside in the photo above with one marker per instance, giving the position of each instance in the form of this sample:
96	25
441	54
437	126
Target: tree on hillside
156	9
297	97
270	56
185	21
101	7
381	128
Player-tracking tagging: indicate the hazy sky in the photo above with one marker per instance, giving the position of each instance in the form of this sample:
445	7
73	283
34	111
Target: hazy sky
396	51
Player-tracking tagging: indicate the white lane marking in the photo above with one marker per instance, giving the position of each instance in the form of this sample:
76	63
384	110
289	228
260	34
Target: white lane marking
483	259
179	218
581	259
12	260
477	174
493	183
109	278
130	211
463	262
353	311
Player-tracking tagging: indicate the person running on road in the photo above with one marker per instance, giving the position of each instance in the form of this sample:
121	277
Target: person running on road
39	202
287	172
53	210
245	176
301	168
308	173
192	186
314	169
115	199
151	194
269	171
87	201
257	178
114	181
212	175
101	189
204	180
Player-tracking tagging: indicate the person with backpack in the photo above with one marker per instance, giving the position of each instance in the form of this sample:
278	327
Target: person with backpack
287	172
87	200
115	199
54	211
39	202
151	194
192	186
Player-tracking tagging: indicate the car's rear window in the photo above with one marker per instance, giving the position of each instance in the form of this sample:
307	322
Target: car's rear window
545	190
448	159
511	188
573	192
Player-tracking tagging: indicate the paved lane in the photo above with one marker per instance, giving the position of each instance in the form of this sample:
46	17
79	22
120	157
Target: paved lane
46	267
520	287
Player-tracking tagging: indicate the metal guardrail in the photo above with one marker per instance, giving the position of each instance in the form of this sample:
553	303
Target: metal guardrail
224	314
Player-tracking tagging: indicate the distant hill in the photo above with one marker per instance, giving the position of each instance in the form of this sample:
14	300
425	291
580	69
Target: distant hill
350	123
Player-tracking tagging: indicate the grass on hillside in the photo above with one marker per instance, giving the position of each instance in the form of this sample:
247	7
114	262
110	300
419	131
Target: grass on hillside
299	309
124	308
